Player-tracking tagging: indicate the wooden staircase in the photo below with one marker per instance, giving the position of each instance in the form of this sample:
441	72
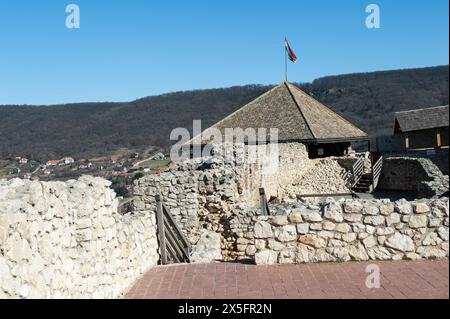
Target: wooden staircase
364	185
367	182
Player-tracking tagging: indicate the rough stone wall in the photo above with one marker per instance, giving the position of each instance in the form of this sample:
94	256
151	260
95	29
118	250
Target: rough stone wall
200	193
293	163
205	193
179	191
66	240
241	234
418	175
220	195
346	230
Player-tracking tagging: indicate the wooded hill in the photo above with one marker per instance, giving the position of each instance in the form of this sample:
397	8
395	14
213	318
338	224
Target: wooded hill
91	129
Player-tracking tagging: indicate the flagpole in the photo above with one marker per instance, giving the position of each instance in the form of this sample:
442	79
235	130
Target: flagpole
285	62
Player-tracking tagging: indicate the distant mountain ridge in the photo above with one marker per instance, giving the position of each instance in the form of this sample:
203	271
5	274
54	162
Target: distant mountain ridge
91	129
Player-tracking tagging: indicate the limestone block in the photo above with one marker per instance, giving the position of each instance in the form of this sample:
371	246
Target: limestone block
403	207
353	218
343	228
266	257
421	208
379	253
286	233
400	242
279	220
295	217
386	208
418	221
370	210
302	228
327	225
392	219
369	242
311	216
443	233
358	252
207	249
374	220
263	229
313	240
352	207
333	212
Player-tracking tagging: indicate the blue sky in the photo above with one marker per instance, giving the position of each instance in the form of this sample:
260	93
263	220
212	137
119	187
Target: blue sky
130	49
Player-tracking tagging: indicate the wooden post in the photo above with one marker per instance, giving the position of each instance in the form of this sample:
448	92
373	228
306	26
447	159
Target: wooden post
262	203
438	138
406	140
160	222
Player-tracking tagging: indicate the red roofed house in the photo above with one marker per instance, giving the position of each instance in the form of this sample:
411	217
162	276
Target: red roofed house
52	162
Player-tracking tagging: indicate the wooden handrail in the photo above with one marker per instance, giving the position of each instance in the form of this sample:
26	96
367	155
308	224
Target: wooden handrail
174	225
353	194
171	242
358	170
160	224
377	169
173	245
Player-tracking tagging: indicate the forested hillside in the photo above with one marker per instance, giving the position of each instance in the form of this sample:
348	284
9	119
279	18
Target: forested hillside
90	129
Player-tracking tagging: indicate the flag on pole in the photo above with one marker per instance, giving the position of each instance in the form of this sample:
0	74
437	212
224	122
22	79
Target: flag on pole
289	51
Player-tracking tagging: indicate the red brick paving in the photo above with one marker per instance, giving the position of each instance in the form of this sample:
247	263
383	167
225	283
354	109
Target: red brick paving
401	279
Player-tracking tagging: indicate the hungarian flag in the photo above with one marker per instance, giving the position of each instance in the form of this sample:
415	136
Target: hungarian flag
289	51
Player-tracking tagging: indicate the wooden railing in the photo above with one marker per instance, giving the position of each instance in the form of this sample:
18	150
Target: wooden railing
352	194
358	170
376	169
174	247
263	202
347	177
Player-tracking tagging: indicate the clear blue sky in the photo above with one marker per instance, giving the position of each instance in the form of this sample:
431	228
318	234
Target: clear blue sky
131	49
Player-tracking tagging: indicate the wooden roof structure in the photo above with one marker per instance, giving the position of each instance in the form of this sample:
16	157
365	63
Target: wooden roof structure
297	116
421	119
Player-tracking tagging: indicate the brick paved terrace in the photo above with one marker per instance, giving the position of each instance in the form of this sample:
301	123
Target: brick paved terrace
400	279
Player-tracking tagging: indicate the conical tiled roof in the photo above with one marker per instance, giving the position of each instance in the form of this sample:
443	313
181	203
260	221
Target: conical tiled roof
297	115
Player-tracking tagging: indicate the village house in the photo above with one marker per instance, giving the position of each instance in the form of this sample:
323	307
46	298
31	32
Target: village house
52	163
23	160
158	157
423	129
66	161
85	165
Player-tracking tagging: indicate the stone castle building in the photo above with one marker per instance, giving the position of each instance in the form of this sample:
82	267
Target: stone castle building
307	129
